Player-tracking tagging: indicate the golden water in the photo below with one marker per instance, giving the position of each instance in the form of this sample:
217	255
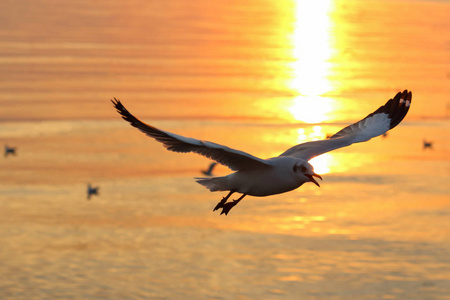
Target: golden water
259	76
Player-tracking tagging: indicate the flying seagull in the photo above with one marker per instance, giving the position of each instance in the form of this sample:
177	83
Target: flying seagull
263	177
208	172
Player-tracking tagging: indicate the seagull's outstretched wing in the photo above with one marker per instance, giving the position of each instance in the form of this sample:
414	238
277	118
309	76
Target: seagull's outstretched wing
234	159
383	119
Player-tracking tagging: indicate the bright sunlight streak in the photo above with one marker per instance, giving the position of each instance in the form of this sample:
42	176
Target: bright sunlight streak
311	109
311	69
320	163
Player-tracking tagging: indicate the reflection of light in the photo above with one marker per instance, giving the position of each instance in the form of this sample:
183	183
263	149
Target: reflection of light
312	48
316	134
312	52
313	109
321	163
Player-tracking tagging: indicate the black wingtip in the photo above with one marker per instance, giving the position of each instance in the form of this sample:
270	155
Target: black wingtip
396	108
118	105
126	115
115	102
399	107
151	131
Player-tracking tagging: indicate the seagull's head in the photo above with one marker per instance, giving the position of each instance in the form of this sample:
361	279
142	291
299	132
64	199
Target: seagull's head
305	172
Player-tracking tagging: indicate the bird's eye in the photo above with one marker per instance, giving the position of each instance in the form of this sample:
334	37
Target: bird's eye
302	168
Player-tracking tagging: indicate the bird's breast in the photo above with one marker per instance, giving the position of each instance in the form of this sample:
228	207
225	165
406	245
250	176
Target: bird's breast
263	182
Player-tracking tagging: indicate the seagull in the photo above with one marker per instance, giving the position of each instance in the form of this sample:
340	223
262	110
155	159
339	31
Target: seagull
427	144
10	150
259	177
209	171
91	190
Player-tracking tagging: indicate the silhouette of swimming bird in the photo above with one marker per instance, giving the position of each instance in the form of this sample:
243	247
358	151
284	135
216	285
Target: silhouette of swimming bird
91	190
10	151
427	145
209	171
263	177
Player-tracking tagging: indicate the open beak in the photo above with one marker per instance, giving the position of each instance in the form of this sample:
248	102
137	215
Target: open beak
313	180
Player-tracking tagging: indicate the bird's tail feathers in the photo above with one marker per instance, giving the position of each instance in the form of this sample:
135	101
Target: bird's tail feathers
213	184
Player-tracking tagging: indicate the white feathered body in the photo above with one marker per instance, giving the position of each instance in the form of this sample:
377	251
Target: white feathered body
278	177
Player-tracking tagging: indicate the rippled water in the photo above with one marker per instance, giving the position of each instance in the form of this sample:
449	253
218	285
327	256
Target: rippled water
377	228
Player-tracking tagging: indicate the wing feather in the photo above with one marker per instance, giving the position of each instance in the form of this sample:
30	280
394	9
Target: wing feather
377	123
234	159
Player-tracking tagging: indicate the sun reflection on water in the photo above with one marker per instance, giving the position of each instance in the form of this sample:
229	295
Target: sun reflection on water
311	71
312	47
312	51
320	163
311	109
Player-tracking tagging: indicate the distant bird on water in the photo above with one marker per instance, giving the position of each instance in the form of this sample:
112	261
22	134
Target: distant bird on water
209	171
91	190
263	177
10	151
427	145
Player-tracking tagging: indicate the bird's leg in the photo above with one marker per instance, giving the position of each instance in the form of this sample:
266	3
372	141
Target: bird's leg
228	206
222	202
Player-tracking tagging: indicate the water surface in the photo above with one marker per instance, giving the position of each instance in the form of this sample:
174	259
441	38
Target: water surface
258	76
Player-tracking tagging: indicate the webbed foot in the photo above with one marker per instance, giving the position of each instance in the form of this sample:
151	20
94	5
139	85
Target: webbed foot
228	206
220	204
